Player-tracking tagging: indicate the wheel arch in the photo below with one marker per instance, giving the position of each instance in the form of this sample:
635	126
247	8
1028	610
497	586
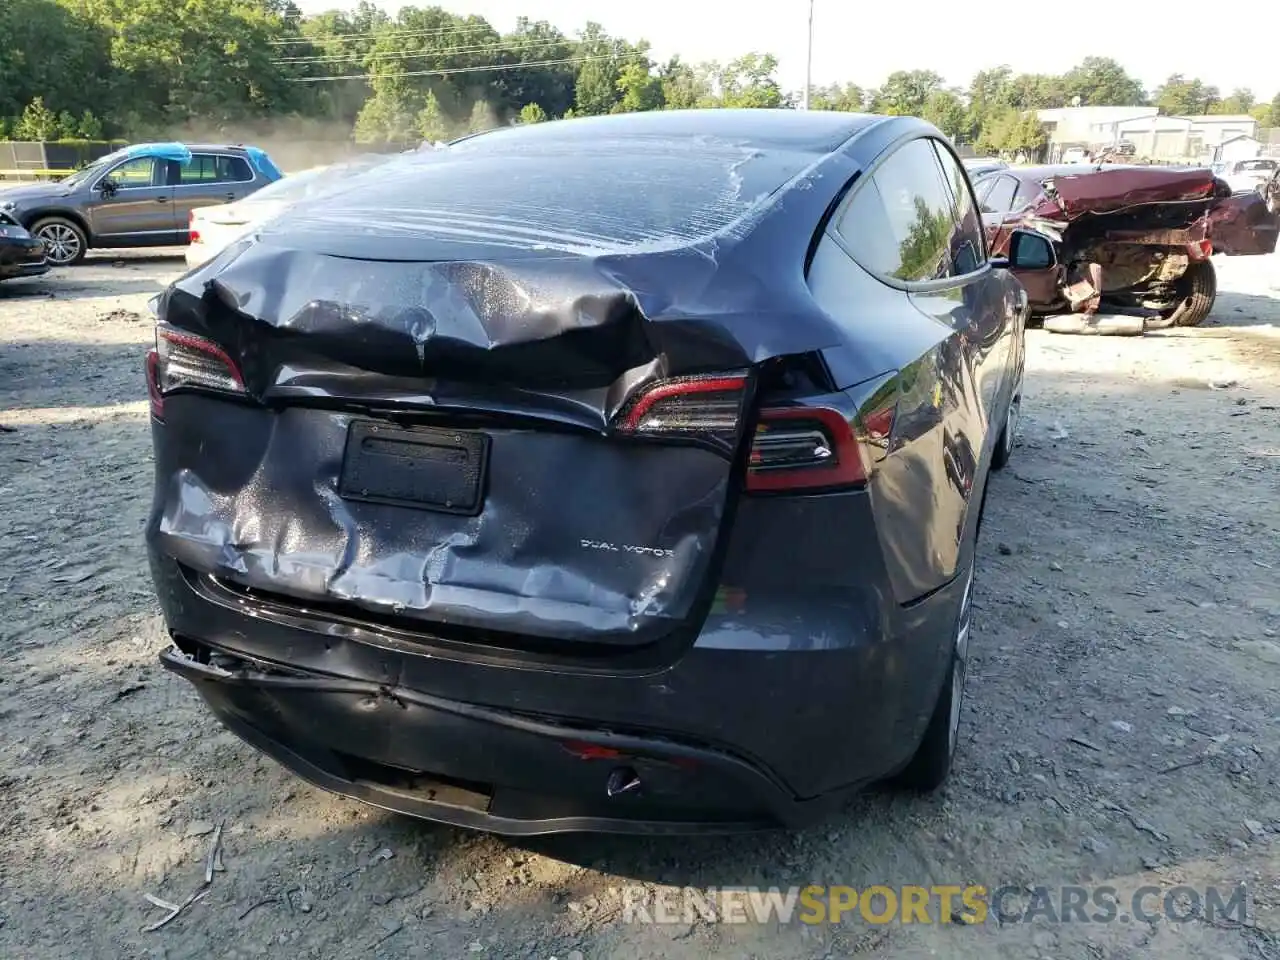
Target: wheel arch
29	220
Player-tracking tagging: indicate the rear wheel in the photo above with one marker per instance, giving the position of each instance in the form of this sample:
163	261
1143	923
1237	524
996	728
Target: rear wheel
64	242
1197	290
931	764
1004	443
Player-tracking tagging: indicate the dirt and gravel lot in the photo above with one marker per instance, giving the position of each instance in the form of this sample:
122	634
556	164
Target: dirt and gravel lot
1122	722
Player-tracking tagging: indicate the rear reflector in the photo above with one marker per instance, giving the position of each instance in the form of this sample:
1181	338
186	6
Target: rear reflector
705	406
184	360
804	448
192	229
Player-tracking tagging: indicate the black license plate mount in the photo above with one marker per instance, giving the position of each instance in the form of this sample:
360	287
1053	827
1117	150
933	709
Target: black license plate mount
425	468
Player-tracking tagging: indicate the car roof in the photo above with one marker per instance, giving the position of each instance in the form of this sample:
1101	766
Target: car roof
215	147
645	183
806	131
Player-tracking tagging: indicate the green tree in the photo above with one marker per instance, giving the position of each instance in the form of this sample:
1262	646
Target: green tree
849	98
945	110
1240	100
596	88
90	127
1101	81
532	113
430	123
37	122
638	88
1178	96
535	46
905	92
1036	91
684	86
385	118
749	82
482	118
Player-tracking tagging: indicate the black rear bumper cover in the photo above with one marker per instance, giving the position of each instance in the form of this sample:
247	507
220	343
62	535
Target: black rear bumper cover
398	734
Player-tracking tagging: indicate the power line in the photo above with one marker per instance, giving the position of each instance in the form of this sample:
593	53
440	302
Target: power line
390	34
492	67
410	54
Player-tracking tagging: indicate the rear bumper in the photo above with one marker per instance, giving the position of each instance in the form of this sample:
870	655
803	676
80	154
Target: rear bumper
726	739
377	741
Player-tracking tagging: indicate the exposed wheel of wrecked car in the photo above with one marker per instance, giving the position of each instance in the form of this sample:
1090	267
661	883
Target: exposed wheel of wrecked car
64	240
1197	289
618	538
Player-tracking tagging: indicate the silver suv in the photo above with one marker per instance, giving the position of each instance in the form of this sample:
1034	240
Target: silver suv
141	196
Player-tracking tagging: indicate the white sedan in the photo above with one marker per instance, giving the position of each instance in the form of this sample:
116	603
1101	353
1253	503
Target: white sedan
214	228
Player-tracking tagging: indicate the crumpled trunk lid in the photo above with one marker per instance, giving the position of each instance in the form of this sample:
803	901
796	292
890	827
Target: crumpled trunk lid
439	425
1114	189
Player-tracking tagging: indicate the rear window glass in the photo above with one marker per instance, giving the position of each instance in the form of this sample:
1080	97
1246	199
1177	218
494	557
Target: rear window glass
550	195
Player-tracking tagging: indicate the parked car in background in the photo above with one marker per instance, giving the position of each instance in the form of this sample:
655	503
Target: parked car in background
979	166
21	254
1250	175
140	196
1129	239
599	474
211	228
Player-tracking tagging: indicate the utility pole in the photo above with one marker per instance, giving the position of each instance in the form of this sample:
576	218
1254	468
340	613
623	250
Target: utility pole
808	63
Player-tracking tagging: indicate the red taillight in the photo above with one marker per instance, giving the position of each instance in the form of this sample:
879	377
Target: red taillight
794	448
1201	249
705	406
182	359
153	384
191	227
804	448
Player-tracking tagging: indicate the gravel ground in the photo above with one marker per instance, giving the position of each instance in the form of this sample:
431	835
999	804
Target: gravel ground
1121	725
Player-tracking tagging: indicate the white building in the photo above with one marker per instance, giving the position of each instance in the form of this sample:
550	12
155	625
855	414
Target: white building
1242	147
1153	136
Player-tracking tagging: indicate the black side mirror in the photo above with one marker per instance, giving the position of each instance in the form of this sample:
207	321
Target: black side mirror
1028	250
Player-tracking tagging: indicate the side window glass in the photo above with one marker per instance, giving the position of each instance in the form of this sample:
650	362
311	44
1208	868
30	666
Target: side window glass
1028	193
215	168
918	205
901	223
968	249
234	170
138	172
202	169
1000	198
865	229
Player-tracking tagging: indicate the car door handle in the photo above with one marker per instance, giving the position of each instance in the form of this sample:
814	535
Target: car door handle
164	199
231	197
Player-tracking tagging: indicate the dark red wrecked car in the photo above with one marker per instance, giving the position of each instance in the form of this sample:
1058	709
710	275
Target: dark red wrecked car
1133	240
620	473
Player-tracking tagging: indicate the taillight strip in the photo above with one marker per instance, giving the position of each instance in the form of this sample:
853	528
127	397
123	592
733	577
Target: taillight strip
207	347
635	414
843	468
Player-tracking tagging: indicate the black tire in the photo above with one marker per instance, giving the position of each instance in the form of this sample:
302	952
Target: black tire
64	236
929	768
1197	290
1008	433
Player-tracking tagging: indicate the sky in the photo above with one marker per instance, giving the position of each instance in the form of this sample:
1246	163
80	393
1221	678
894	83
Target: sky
863	43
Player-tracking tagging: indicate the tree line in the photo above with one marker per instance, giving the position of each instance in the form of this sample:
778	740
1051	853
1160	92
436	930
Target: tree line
138	68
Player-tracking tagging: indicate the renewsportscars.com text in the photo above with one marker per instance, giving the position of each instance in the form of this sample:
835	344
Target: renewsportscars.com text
939	903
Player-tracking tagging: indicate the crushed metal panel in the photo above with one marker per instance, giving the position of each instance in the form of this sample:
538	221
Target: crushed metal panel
532	311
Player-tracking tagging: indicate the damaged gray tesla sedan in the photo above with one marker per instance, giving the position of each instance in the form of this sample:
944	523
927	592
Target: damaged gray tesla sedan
618	474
